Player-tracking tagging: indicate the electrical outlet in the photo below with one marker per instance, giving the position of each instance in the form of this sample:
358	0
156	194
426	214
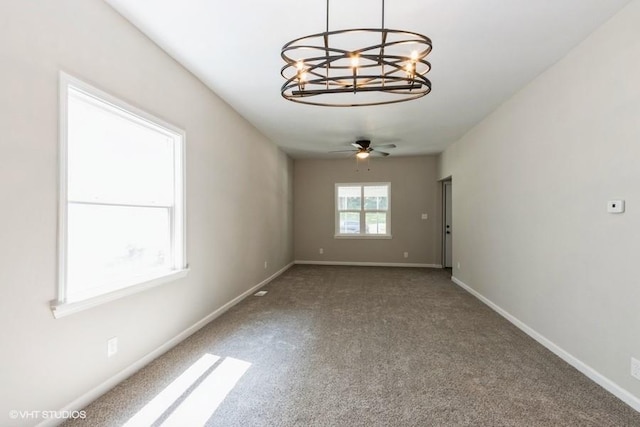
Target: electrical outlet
265	265
458	265
406	254
425	216
321	251
112	346
635	368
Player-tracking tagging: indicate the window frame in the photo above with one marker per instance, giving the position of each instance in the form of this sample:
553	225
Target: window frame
179	268
362	211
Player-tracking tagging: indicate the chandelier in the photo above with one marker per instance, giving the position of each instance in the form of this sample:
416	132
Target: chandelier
356	67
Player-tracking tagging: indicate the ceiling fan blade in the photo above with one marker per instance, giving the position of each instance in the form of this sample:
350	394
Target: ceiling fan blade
384	146
379	153
358	146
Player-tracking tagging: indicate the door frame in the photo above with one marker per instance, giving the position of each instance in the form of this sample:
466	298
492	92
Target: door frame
446	182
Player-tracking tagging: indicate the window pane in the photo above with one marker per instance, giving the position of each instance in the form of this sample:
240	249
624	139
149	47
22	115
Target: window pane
349	198
113	246
376	198
112	158
376	222
349	223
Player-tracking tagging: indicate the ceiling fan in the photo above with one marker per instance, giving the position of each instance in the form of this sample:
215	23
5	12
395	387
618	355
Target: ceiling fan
363	149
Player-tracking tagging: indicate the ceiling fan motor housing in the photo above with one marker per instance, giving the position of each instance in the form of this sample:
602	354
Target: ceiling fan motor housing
364	143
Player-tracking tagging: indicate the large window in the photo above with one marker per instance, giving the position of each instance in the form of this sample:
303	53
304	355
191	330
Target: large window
363	210
122	196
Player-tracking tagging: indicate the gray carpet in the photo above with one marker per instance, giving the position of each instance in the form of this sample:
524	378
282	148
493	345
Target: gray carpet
361	346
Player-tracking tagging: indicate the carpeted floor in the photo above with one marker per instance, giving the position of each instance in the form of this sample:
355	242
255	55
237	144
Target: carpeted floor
363	346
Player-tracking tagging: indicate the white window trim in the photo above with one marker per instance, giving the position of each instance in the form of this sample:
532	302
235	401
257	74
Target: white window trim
60	307
64	309
362	236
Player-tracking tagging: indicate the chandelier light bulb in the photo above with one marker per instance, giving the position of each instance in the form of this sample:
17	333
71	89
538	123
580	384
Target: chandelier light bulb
410	68
354	61
302	75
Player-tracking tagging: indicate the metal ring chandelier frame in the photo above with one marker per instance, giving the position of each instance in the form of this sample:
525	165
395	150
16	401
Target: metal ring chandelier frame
314	69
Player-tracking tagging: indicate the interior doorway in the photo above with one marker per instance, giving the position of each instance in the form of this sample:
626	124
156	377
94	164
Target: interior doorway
447	223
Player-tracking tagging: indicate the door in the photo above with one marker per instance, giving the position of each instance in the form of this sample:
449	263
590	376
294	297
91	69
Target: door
448	225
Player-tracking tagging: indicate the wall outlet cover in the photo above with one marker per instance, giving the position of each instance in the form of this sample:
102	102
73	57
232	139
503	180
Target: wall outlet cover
112	346
635	368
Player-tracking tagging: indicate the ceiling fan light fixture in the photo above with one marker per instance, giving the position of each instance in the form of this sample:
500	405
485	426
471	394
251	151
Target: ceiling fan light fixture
321	70
362	154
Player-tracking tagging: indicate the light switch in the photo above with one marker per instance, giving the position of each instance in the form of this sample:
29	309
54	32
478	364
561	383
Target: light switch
425	216
615	206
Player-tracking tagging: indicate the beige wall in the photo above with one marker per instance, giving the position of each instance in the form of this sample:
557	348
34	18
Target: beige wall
414	190
530	187
233	173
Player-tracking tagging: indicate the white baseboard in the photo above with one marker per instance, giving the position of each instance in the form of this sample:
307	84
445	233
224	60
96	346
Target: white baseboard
93	394
591	373
369	264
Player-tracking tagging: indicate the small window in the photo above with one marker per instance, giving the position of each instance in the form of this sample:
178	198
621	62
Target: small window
122	195
363	210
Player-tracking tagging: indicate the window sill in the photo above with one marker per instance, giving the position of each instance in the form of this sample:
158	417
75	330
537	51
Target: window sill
363	236
62	309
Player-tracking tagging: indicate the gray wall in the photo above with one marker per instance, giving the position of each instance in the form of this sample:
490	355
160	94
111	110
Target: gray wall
233	172
530	187
414	190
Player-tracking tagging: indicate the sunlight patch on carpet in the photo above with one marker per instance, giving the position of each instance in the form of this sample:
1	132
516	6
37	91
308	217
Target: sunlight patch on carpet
198	406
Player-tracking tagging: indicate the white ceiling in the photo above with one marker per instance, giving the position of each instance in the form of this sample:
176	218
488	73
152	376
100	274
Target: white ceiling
483	52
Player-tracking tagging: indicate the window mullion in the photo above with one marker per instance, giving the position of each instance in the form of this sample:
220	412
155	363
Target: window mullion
125	205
